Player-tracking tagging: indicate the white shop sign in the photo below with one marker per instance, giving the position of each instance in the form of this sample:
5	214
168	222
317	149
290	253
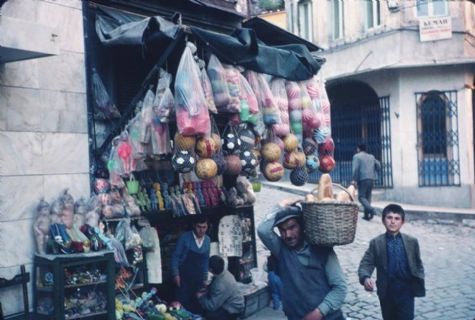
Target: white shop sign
435	28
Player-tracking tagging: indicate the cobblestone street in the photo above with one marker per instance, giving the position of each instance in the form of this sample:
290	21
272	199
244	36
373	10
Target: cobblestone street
448	253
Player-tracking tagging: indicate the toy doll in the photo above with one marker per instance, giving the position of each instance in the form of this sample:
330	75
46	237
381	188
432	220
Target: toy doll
67	209
41	226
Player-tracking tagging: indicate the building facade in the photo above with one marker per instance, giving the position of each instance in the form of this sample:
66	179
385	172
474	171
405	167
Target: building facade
43	124
400	77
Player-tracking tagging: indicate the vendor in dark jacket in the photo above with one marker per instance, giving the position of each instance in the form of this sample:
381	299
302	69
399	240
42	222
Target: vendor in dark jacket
314	286
400	273
222	300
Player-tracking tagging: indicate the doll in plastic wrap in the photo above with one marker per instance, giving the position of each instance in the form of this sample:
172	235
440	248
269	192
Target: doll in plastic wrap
41	226
81	207
67	209
92	216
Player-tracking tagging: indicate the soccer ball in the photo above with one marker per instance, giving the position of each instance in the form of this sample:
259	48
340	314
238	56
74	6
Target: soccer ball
248	161
183	161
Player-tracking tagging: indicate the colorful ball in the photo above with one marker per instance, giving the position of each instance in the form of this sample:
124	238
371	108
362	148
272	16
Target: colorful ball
310	119
294	159
183	161
206	147
299	176
309	146
217	140
271	152
290	143
184	142
206	169
233	165
327	163
312	163
326	147
273	171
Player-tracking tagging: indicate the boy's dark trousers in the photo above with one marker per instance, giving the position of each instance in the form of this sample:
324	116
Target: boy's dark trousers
398	304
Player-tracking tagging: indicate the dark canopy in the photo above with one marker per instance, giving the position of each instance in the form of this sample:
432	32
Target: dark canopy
292	61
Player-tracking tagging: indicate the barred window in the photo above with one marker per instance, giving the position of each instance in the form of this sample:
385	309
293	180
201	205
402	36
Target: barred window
437	138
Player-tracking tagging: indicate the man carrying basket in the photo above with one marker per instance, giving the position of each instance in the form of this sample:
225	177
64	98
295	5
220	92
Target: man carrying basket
314	286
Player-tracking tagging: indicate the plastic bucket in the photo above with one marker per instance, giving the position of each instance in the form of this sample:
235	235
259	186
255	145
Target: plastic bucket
132	186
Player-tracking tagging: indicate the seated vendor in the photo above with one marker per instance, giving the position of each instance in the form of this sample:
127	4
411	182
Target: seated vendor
222	300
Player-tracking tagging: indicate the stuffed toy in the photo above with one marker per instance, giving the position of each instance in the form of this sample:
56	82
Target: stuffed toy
244	188
41	226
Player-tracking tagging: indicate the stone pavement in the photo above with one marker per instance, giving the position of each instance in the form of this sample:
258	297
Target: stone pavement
448	253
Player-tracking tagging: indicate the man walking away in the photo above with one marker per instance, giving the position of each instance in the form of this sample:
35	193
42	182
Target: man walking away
365	171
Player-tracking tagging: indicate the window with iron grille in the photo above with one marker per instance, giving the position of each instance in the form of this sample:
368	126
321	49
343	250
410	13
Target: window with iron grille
437	138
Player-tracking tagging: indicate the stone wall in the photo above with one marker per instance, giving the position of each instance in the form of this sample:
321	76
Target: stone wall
43	132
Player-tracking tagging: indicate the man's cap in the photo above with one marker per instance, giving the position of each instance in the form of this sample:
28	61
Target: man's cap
287	213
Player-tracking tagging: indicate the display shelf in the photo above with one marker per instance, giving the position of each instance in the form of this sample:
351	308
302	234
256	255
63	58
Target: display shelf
72	286
56	299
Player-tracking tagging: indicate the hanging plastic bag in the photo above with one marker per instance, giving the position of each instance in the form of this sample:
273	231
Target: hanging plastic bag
246	91
280	96
233	83
294	95
160	133
324	131
217	76
134	128
147	117
114	165
208	91
269	109
191	108
106	108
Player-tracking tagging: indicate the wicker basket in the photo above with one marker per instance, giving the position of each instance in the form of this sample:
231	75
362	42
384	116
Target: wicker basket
330	223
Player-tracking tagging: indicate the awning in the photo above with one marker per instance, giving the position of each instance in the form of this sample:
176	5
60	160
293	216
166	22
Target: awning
273	35
291	61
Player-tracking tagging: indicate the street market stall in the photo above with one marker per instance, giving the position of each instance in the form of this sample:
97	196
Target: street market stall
184	121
